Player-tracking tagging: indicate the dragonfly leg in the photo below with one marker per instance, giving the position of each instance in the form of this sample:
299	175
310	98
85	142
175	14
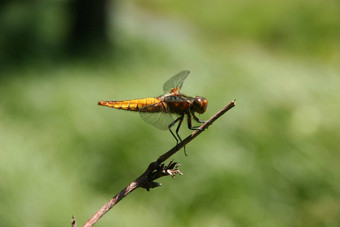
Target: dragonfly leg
190	124
174	136
180	119
179	125
198	120
177	130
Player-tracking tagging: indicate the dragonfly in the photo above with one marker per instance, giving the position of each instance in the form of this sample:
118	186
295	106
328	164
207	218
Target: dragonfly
166	110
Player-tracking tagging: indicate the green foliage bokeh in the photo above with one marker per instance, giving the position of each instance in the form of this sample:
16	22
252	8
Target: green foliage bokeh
273	160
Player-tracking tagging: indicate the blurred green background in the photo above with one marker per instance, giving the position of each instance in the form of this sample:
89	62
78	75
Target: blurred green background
273	160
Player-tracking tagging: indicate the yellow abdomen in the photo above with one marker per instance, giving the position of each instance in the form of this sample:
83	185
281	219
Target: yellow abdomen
132	105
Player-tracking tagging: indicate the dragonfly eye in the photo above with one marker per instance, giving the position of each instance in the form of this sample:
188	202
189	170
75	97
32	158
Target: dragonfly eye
200	105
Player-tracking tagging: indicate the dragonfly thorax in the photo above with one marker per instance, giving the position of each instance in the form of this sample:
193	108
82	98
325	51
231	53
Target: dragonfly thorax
199	105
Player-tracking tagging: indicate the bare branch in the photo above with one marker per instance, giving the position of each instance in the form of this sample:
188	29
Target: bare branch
156	169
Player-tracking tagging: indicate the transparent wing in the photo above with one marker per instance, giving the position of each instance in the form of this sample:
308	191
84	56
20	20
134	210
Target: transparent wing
175	82
160	120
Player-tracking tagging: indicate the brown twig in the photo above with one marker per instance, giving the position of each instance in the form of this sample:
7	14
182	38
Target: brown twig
155	170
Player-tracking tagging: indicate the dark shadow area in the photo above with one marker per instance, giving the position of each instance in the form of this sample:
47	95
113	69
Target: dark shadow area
45	33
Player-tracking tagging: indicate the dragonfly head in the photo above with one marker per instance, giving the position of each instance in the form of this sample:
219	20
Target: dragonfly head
199	105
